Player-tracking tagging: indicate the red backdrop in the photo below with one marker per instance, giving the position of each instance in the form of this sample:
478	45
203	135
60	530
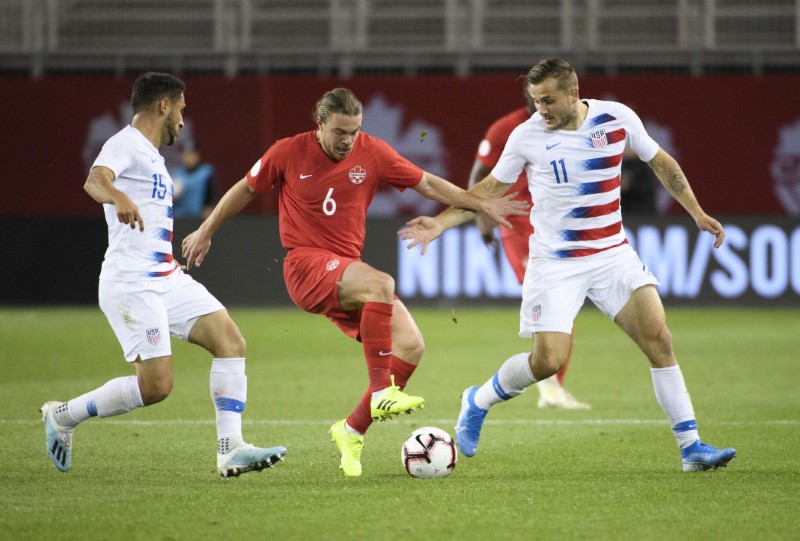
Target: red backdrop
724	129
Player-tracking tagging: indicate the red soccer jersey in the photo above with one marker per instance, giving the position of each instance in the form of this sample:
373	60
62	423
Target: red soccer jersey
323	203
515	241
494	141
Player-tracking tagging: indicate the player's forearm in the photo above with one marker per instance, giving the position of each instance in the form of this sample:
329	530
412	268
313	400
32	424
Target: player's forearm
680	190
487	189
440	190
671	176
99	186
229	206
453	217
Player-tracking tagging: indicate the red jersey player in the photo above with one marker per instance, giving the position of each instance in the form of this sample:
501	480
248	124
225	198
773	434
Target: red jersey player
327	179
515	240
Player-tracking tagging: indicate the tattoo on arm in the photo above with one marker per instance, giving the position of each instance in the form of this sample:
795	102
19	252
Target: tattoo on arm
676	182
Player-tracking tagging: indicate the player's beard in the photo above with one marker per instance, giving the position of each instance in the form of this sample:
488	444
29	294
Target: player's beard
172	129
564	122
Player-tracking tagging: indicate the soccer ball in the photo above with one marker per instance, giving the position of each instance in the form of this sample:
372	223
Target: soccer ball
429	452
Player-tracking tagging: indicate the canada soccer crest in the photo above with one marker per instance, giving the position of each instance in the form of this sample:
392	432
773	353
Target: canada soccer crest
332	264
153	336
357	175
599	139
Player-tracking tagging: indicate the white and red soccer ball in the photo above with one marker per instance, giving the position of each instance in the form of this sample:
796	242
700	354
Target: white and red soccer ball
428	453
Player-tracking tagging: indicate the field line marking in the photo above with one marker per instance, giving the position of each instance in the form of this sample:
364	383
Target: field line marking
326	422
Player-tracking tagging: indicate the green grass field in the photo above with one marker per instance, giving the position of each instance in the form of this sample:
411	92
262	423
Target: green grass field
609	473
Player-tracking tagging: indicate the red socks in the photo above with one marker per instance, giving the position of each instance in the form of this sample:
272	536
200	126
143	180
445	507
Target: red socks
361	418
402	371
376	337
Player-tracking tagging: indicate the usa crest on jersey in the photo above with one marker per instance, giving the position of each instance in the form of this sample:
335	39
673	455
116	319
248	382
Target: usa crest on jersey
599	139
153	335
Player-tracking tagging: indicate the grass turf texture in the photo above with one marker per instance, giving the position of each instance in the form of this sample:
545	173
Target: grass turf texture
610	473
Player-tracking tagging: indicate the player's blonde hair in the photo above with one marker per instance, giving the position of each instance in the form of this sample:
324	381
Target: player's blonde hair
338	100
553	68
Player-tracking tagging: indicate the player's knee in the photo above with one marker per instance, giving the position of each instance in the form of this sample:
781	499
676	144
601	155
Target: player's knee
380	287
156	391
237	343
662	341
545	363
229	342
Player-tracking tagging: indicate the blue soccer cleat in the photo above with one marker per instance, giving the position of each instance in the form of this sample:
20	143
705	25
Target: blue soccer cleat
470	421
701	457
57	438
247	458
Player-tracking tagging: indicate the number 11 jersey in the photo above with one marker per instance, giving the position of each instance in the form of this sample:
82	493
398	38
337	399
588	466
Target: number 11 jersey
573	176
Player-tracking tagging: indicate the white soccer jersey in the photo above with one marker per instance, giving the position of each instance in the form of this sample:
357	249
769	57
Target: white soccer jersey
140	173
574	178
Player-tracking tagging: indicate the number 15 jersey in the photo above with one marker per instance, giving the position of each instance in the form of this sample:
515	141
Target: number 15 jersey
140	173
322	202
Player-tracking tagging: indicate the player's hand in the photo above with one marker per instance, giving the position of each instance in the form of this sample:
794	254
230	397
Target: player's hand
707	223
194	248
497	209
486	228
422	230
128	212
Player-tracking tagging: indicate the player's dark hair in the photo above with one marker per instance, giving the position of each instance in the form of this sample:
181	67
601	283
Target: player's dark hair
152	86
553	68
338	100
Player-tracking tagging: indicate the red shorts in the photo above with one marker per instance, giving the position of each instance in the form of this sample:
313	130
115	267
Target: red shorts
515	244
311	276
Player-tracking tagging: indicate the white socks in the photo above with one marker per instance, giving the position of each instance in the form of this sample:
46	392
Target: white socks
120	395
352	430
117	396
229	392
511	380
674	399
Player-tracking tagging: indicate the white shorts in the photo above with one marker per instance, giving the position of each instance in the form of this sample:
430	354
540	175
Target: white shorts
554	289
144	314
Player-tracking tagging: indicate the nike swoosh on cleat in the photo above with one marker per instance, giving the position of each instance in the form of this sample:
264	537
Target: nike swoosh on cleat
303	177
550	147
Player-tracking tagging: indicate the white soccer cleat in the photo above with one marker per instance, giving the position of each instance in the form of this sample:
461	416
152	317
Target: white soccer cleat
247	458
553	395
58	439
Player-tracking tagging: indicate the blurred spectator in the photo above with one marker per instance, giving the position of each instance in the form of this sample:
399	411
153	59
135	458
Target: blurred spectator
195	185
638	185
